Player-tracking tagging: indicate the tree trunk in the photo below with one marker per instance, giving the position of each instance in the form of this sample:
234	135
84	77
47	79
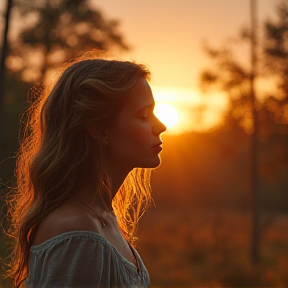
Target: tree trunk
255	201
2	69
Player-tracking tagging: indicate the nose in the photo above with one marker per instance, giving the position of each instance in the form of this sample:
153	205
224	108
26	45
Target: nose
158	127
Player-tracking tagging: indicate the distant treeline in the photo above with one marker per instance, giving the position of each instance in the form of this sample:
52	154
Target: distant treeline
212	170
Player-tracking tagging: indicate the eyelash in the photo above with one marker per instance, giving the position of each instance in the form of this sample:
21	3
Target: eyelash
147	115
144	118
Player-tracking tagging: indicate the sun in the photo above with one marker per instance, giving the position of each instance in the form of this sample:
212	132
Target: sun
167	114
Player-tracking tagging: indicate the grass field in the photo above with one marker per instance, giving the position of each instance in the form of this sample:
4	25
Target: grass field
186	248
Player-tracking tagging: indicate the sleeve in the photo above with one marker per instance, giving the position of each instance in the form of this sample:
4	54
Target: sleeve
82	262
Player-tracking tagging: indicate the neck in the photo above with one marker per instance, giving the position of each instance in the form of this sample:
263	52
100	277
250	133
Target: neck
117	176
86	189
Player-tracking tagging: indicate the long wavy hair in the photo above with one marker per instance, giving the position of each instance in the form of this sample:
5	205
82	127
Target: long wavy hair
55	151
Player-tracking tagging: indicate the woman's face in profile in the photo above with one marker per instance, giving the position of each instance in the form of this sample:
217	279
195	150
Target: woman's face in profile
135	139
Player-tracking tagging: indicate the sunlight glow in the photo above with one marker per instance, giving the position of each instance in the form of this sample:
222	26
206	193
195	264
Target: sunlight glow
167	114
184	110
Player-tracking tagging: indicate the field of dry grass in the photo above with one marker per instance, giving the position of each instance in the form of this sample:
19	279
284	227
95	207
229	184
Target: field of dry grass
186	248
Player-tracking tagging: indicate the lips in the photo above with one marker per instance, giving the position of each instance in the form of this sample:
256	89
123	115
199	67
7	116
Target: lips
157	148
157	145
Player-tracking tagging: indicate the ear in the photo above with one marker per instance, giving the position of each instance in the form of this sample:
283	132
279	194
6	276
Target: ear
92	131
104	137
97	134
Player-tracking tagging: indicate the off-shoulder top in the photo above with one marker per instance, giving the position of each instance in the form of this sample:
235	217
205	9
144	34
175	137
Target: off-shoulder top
83	259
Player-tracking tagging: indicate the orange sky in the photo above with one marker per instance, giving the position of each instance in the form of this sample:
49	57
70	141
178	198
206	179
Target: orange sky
167	35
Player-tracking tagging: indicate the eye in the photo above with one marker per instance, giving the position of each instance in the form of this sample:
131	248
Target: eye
144	117
146	114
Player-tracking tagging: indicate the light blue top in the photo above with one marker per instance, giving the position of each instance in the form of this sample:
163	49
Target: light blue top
83	259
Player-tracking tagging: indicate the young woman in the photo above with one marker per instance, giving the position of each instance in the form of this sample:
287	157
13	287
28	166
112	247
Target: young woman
81	183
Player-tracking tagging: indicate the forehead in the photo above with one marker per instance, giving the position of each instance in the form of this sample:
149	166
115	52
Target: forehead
139	97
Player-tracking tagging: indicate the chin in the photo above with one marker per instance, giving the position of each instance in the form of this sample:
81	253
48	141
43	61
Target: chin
151	164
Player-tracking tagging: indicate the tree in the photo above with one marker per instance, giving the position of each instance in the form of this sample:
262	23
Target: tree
232	76
2	65
275	49
264	118
51	32
59	31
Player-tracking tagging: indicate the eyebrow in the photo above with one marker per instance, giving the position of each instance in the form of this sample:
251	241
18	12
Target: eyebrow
147	106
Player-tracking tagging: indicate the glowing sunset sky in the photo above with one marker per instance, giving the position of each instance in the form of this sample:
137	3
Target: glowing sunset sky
168	35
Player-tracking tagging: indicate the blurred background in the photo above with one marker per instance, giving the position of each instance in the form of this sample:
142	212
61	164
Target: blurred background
220	80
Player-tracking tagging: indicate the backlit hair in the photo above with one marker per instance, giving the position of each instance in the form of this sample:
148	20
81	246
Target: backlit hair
55	151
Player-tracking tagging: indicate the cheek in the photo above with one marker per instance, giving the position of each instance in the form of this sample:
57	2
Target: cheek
136	135
132	138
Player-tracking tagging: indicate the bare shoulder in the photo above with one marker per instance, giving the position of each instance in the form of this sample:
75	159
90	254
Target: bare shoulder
68	217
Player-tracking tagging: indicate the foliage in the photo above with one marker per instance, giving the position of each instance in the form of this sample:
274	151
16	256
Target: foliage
56	31
211	170
229	74
209	248
275	50
50	32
